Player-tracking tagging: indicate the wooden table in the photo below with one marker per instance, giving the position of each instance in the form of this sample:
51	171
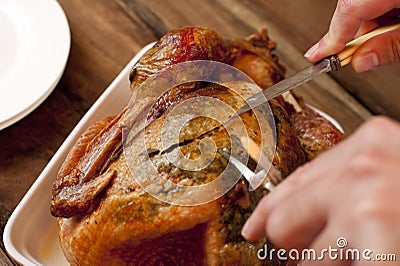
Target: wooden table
107	33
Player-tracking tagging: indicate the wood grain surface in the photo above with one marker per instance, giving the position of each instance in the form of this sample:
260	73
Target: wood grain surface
106	34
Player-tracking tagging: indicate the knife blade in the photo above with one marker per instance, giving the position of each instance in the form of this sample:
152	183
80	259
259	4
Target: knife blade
324	66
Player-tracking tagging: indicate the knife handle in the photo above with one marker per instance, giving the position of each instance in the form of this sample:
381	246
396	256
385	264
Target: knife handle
346	54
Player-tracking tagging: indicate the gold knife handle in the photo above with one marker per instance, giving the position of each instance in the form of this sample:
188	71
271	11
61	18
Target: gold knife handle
346	54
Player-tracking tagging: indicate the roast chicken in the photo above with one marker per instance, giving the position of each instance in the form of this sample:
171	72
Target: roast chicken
107	218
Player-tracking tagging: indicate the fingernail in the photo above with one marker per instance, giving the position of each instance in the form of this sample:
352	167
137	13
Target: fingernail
365	62
311	51
245	230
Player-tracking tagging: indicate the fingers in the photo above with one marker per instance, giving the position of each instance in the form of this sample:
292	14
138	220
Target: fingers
348	17
296	184
380	50
295	207
254	229
294	193
298	220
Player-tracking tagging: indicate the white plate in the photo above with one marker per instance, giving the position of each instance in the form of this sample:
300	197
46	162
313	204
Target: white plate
31	233
34	48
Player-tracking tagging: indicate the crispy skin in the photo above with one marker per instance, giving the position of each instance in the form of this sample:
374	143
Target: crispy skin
83	176
177	46
127	226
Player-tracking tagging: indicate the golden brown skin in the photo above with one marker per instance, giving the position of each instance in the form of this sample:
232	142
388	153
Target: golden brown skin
177	46
84	175
124	225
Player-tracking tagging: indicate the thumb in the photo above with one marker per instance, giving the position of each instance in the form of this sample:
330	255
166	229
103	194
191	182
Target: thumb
381	50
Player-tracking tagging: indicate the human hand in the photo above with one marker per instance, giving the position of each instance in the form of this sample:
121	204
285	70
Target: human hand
354	18
350	191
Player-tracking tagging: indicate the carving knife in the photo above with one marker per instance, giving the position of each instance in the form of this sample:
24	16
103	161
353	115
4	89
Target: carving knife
328	64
